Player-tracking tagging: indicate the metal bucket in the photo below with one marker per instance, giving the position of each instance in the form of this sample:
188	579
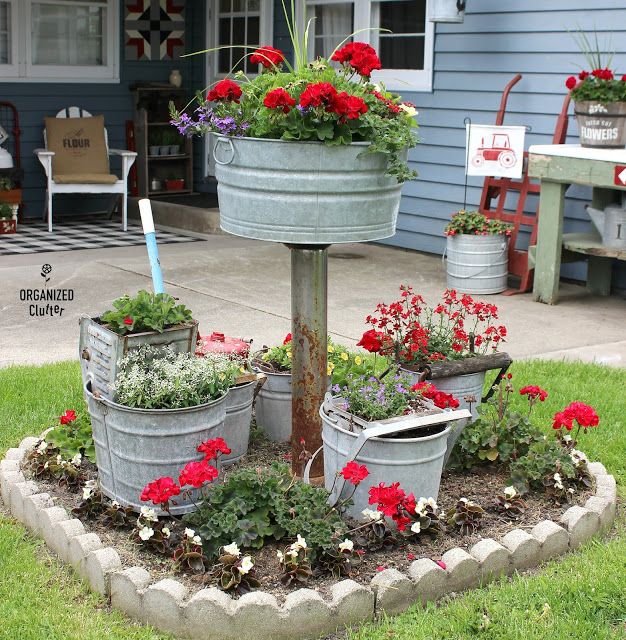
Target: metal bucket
460	387
416	463
477	264
237	422
136	446
601	125
273	406
304	192
446	10
100	349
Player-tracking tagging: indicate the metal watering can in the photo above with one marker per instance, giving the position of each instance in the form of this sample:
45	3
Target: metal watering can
611	224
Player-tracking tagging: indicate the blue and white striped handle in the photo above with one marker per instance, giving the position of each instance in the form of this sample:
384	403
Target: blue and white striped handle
145	210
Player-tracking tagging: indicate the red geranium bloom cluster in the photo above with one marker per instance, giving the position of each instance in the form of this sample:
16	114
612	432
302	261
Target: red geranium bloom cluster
440	399
599	74
160	491
393	502
392	106
349	106
359	56
354	472
68	416
578	412
212	448
279	99
195	474
371	341
323	94
457	327
287	339
267	56
533	392
128	320
225	90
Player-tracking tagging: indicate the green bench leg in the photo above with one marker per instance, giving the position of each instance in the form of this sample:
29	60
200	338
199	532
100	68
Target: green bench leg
549	242
599	275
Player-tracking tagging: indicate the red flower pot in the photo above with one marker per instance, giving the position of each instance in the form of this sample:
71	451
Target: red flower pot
175	185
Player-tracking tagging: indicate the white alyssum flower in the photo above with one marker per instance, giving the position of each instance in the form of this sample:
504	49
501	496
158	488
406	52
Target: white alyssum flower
189	533
149	514
166	532
558	481
300	543
197	540
246	565
232	549
76	460
346	545
146	533
372	515
280	555
510	492
416	527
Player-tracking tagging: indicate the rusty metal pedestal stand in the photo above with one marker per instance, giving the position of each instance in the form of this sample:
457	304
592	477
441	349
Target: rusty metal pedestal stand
309	320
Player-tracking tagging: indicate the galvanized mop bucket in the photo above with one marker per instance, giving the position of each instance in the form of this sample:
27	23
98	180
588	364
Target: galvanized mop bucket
477	264
304	192
416	463
136	446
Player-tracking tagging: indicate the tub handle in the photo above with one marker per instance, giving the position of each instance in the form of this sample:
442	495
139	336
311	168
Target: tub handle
229	142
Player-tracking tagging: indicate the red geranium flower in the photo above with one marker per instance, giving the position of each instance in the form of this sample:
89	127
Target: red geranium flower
287	339
583	414
211	448
160	491
279	99
533	392
267	56
349	106
571	82
128	320
318	94
68	416
354	472
226	90
195	474
583	74
359	56
371	341
440	398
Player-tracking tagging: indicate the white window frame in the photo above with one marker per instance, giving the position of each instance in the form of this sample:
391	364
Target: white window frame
11	70
21	41
401	80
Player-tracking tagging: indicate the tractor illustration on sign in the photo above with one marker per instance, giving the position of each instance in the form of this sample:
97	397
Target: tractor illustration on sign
499	151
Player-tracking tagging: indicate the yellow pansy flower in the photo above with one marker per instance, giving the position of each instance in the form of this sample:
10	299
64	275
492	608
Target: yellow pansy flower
331	349
288	354
358	360
344	356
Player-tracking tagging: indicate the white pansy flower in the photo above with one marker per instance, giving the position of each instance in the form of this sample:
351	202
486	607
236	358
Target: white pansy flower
578	457
87	492
246	565
409	109
293	553
149	514
76	460
372	515
166	532
558	482
346	545
432	502
567	438
146	533
300	543
465	500
510	492
416	527
59	459
197	540
43	445
280	555
115	504
232	549
571	490
189	533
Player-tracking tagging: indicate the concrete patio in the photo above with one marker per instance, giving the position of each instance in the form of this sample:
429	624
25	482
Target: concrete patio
241	288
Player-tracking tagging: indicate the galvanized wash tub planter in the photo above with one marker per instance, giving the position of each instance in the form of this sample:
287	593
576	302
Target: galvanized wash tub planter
601	125
304	192
100	349
136	446
477	264
273	405
414	460
237	421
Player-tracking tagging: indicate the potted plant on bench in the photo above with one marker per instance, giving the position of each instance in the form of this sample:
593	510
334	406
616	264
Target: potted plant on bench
174	184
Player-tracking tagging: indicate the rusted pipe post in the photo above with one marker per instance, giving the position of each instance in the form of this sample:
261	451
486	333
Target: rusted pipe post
309	380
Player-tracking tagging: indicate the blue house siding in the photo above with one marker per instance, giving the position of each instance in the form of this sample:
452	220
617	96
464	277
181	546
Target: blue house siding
35	101
472	64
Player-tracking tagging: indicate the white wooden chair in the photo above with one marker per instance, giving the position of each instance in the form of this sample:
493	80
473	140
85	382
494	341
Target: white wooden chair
118	188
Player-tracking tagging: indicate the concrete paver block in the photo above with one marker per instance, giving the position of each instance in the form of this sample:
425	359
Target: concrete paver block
127	591
462	568
605	508
99	564
597	469
79	548
62	533
581	523
494	559
306	612
33	505
554	540
28	443
162	605
15	454
208	604
351	602
394	591
525	549
431	581
606	487
48	518
19	491
8	464
7	479
257	615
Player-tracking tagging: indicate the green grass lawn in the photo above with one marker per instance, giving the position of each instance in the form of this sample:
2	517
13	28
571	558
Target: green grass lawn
583	596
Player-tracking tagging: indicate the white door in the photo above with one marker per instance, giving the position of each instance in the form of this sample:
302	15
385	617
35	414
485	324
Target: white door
232	23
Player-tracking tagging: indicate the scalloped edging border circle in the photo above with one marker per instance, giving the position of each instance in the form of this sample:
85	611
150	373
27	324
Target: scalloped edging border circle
211	614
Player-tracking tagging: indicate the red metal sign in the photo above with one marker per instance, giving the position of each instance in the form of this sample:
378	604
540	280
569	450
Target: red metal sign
620	175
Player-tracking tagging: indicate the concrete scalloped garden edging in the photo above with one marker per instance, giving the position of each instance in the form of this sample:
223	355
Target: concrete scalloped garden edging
211	614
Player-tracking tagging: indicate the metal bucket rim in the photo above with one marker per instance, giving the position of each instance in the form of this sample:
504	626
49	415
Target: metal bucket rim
159	412
307	142
175	327
326	419
243	385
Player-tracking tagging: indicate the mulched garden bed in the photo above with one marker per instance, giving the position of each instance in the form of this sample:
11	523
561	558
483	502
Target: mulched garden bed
481	485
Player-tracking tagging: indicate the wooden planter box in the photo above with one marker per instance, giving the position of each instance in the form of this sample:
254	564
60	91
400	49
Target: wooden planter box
13	196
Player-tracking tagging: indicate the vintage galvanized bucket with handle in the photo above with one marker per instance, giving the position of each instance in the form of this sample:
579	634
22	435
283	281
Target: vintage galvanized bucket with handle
415	462
236	430
601	125
304	192
136	446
